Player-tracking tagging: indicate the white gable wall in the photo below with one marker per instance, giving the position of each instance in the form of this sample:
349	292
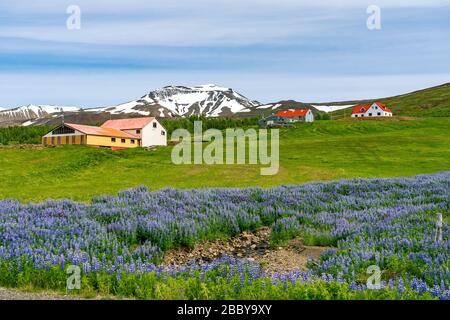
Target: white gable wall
375	109
309	116
152	136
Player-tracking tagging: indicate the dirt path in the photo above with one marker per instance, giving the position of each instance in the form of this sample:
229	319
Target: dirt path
14	294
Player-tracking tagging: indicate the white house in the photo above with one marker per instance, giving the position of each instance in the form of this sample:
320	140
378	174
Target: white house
148	129
376	109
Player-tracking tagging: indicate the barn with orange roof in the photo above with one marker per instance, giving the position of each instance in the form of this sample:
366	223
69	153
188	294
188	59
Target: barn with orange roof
376	109
114	134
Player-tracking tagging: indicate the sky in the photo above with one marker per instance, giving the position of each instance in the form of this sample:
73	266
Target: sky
266	50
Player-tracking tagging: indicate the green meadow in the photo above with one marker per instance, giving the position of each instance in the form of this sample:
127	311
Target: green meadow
323	150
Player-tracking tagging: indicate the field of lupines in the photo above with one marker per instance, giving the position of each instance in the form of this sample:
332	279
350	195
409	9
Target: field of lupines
119	241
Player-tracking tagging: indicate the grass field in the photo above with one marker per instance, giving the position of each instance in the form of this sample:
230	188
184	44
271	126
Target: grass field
323	150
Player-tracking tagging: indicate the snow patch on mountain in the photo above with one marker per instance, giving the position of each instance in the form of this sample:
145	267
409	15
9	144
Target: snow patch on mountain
332	108
272	106
128	107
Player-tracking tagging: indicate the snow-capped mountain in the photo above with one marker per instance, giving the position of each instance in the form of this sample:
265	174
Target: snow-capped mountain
31	112
209	100
171	101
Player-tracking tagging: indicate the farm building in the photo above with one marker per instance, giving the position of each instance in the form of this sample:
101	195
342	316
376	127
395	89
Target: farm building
285	117
114	134
376	109
272	120
303	115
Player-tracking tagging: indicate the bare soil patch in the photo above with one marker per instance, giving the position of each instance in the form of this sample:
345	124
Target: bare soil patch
14	294
253	246
24	146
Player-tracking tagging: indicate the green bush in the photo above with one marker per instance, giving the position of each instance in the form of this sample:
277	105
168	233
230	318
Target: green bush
23	135
171	124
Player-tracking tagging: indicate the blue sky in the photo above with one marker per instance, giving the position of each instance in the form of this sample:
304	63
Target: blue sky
266	50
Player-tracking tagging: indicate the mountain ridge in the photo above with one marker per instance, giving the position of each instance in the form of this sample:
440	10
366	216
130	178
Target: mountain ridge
212	100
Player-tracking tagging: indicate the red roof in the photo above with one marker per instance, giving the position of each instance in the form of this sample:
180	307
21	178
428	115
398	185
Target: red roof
293	113
361	108
99	131
125	124
383	107
364	107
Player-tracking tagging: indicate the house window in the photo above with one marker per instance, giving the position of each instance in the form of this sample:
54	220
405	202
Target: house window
138	131
362	115
163	133
113	139
123	141
132	141
379	113
154	124
370	114
356	116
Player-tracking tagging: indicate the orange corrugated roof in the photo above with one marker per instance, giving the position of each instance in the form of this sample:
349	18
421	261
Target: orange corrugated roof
99	131
124	124
292	113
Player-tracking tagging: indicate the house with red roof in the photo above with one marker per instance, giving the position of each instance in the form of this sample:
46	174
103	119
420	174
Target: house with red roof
291	115
376	109
114	134
284	117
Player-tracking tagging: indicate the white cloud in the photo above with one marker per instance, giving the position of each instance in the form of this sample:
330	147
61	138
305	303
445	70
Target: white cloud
195	22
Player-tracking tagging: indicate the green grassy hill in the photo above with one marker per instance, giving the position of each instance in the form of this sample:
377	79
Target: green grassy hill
431	102
322	150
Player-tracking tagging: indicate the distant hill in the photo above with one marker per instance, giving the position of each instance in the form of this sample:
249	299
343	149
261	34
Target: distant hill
430	102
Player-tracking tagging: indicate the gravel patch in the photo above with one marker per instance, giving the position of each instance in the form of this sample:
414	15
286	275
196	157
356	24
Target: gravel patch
253	246
14	294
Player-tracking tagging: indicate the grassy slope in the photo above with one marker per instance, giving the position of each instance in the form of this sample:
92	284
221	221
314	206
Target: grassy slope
319	151
431	102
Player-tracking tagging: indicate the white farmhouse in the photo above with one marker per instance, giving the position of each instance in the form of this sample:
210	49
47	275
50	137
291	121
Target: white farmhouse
377	109
147	129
